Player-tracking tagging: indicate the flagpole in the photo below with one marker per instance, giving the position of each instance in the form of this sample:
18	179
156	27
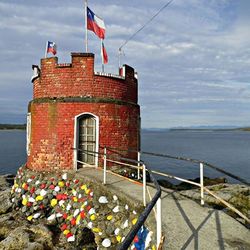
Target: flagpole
86	26
46	48
102	56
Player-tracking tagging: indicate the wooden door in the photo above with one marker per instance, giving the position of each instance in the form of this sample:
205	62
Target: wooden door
87	139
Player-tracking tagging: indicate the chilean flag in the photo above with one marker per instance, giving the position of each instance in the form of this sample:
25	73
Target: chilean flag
104	55
51	47
95	23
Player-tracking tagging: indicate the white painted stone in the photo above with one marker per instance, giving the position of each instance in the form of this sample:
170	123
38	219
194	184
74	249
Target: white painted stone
92	211
126	207
77	211
116	209
90	224
43	192
29	180
61	202
31	199
71	238
37	215
68	207
59	215
117	231
51	217
115	198
64	176
125	224
106	242
37	182
103	199
57	189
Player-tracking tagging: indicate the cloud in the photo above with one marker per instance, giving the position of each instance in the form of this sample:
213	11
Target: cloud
193	59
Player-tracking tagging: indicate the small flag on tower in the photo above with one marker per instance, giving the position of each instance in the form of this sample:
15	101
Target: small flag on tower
104	54
51	48
95	24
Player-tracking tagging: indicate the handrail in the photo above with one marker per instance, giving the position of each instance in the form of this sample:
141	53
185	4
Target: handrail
131	235
190	160
144	215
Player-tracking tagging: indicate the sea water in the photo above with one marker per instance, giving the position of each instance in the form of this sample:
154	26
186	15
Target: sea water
229	150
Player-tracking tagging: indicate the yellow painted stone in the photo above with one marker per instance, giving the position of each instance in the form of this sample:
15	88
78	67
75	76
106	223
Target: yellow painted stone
65	232
70	217
153	247
134	221
96	230
39	198
61	184
93	217
53	202
24	201
24	184
87	191
109	217
84	187
119	238
82	206
78	219
75	199
16	185
29	218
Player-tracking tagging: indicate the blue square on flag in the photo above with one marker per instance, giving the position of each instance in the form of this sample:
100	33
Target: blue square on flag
51	47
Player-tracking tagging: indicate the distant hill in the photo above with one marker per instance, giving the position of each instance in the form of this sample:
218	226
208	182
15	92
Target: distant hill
12	126
245	129
199	128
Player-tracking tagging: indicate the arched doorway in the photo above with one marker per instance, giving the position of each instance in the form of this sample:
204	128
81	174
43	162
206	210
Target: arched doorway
86	139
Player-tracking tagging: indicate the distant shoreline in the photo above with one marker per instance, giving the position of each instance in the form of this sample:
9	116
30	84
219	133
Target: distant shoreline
210	129
247	129
12	126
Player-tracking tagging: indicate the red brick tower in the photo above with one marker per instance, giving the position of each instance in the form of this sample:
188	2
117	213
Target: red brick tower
75	107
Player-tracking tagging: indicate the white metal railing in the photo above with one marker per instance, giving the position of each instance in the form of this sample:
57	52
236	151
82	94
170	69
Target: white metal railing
140	166
201	184
202	189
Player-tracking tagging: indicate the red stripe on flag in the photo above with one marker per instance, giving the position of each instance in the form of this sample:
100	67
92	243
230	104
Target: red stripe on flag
104	54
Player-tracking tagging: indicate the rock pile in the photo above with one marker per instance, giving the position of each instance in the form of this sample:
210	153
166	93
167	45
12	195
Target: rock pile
72	209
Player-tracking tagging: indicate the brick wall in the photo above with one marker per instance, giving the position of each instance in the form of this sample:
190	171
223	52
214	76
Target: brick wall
78	79
62	92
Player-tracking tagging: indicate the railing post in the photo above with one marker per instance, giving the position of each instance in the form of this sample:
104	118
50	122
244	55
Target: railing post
104	166
158	222
144	184
202	183
138	164
75	159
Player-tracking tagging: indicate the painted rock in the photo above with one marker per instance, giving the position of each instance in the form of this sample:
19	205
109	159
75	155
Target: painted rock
64	176
103	199
51	217
106	243
117	230
37	215
43	192
116	209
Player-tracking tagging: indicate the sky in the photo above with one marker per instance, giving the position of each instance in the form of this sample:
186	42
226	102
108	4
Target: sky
193	59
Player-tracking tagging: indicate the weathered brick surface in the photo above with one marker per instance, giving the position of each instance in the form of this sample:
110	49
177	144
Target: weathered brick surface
78	79
60	95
